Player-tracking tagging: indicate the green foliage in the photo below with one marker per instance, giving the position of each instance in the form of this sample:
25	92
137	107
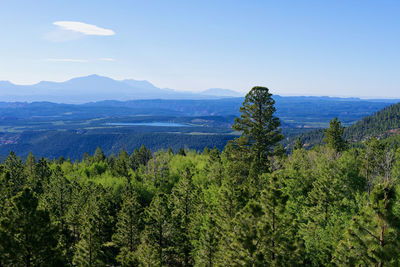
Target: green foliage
121	166
88	249
56	198
207	209
144	155
379	124
183	206
334	136
298	145
259	126
14	173
373	236
99	155
207	249
27	236
128	227
157	234
158	170
181	152
247	246
383	124
263	233
30	164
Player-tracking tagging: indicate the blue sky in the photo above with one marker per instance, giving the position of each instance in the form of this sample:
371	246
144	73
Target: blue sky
336	48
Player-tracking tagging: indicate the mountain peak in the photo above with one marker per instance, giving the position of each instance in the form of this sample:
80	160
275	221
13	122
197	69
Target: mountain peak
92	77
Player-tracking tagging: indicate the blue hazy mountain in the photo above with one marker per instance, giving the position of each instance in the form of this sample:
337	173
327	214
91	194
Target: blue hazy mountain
95	88
222	92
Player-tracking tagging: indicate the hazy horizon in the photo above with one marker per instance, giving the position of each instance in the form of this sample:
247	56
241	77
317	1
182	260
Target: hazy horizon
205	89
294	48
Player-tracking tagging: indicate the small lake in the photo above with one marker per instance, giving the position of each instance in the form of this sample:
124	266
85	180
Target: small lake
158	124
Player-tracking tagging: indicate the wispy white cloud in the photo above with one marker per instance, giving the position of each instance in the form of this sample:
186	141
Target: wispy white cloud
73	60
106	59
83	28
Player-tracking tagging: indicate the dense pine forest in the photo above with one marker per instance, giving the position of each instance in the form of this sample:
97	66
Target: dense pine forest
251	204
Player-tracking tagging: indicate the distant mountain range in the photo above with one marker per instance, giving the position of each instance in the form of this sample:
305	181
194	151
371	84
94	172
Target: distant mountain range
222	92
97	88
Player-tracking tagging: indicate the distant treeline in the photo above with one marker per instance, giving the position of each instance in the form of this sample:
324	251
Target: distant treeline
73	144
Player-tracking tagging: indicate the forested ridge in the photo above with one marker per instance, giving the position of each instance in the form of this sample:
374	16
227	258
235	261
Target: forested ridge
251	204
384	123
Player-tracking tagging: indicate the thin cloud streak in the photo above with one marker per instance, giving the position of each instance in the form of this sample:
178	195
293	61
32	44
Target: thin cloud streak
84	28
107	59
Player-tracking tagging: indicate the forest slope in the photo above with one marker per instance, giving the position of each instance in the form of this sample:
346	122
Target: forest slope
382	124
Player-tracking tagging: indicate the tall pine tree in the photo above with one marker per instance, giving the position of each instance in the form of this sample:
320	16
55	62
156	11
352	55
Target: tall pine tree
127	233
260	127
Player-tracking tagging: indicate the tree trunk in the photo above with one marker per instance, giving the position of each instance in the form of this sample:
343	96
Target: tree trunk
273	233
28	259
